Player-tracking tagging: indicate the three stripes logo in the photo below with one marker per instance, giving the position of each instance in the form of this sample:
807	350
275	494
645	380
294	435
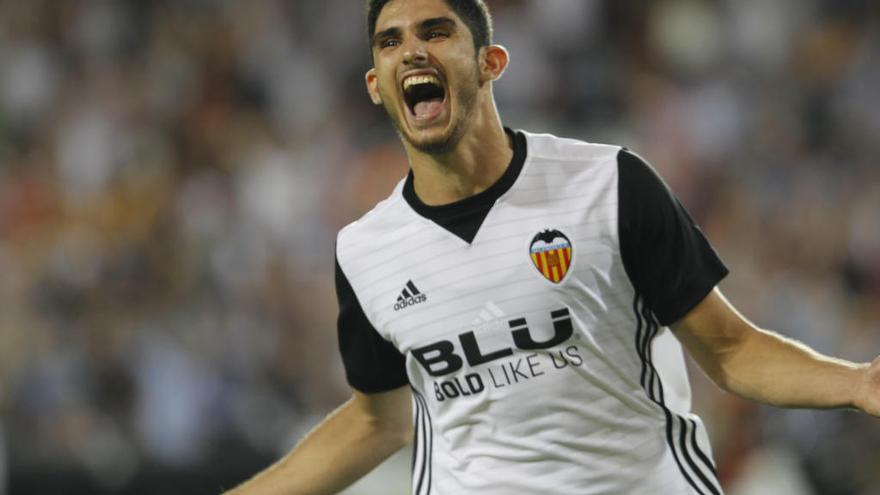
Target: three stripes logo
409	296
551	253
694	463
489	314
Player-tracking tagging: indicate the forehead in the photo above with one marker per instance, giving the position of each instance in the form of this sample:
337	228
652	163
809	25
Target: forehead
405	13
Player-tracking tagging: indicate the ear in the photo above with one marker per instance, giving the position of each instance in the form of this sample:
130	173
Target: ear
373	86
493	62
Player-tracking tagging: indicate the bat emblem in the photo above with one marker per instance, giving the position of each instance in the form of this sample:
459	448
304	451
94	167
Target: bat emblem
551	253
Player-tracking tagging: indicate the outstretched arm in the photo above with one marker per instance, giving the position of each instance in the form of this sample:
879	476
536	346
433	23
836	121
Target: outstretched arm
349	443
764	366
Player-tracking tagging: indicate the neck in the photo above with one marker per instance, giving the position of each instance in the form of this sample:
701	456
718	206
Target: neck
477	161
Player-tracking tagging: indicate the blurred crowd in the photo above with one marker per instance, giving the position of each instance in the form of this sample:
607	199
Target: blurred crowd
173	173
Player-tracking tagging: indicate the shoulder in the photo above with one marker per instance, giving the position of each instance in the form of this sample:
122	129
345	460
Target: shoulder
635	167
635	174
362	235
570	168
641	189
548	148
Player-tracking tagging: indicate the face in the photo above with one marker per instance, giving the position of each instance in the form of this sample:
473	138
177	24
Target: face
426	73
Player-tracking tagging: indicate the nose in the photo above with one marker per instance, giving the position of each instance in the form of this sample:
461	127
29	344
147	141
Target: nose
415	53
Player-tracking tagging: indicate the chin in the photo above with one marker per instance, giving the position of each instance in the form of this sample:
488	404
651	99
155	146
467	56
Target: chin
436	142
434	145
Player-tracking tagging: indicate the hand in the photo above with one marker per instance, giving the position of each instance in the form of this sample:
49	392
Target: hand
868	392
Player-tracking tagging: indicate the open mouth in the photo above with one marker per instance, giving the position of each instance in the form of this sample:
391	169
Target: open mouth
424	96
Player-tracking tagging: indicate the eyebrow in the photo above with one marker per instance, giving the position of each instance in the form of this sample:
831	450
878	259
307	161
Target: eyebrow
424	25
436	22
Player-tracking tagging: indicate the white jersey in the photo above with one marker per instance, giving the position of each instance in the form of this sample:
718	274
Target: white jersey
530	321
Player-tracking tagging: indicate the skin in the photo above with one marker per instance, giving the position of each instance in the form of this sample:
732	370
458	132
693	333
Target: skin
350	442
465	150
461	153
764	366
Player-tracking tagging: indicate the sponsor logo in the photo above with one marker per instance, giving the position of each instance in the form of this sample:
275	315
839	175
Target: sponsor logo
552	254
409	296
442	358
463	366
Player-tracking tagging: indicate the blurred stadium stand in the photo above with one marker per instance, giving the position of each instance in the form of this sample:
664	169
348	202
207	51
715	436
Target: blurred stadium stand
172	175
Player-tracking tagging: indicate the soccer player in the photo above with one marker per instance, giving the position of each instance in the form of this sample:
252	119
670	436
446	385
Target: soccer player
519	303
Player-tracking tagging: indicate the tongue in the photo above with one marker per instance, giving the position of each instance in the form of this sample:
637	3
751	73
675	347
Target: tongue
428	109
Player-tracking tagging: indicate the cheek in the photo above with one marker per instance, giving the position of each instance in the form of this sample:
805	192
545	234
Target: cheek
467	82
468	71
386	86
386	91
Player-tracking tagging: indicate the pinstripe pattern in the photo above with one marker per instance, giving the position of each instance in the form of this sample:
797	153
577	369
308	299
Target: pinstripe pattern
554	421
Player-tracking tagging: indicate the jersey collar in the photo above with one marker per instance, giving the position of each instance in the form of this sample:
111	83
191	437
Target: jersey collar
463	218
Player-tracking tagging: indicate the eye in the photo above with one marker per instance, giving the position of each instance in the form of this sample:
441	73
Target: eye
389	42
437	34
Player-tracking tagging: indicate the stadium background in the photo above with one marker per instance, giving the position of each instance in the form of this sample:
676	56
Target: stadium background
172	175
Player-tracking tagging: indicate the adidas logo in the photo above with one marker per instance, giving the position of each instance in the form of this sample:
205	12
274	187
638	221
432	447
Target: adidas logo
409	296
490	319
488	314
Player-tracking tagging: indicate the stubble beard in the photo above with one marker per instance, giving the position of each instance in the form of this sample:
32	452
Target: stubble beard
465	101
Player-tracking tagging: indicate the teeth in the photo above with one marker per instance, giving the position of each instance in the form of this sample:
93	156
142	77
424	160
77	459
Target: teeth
424	79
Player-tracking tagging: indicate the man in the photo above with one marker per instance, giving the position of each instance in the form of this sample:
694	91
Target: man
517	303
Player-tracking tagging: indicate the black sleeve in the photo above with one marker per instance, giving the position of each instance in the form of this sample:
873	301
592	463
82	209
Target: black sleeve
372	364
666	256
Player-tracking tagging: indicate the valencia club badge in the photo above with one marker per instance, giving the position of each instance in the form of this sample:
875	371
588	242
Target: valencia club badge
551	253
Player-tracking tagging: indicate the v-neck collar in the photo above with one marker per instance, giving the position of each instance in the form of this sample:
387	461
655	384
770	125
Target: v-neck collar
463	218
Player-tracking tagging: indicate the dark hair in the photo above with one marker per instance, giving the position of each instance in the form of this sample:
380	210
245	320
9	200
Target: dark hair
474	13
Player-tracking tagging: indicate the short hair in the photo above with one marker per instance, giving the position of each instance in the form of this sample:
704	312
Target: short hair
474	13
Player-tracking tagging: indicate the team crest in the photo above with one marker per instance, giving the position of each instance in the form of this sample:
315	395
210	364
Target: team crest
551	254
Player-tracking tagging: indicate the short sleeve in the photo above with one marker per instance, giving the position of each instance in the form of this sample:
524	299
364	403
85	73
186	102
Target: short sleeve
372	364
667	258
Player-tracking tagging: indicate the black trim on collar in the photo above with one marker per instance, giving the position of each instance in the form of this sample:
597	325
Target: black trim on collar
463	218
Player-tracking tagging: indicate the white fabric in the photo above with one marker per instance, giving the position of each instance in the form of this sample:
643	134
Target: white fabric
572	419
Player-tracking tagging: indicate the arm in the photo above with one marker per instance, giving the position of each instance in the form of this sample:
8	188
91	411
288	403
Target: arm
764	366
350	442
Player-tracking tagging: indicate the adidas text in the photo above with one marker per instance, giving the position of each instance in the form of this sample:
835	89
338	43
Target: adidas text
410	301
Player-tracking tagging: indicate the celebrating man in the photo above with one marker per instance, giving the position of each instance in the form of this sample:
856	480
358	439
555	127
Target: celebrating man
519	303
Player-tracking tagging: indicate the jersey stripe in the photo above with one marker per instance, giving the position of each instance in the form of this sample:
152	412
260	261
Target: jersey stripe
702	455
654	327
417	438
418	463
645	334
563	262
683	434
670	435
647	328
644	329
430	445
708	476
545	265
422	449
